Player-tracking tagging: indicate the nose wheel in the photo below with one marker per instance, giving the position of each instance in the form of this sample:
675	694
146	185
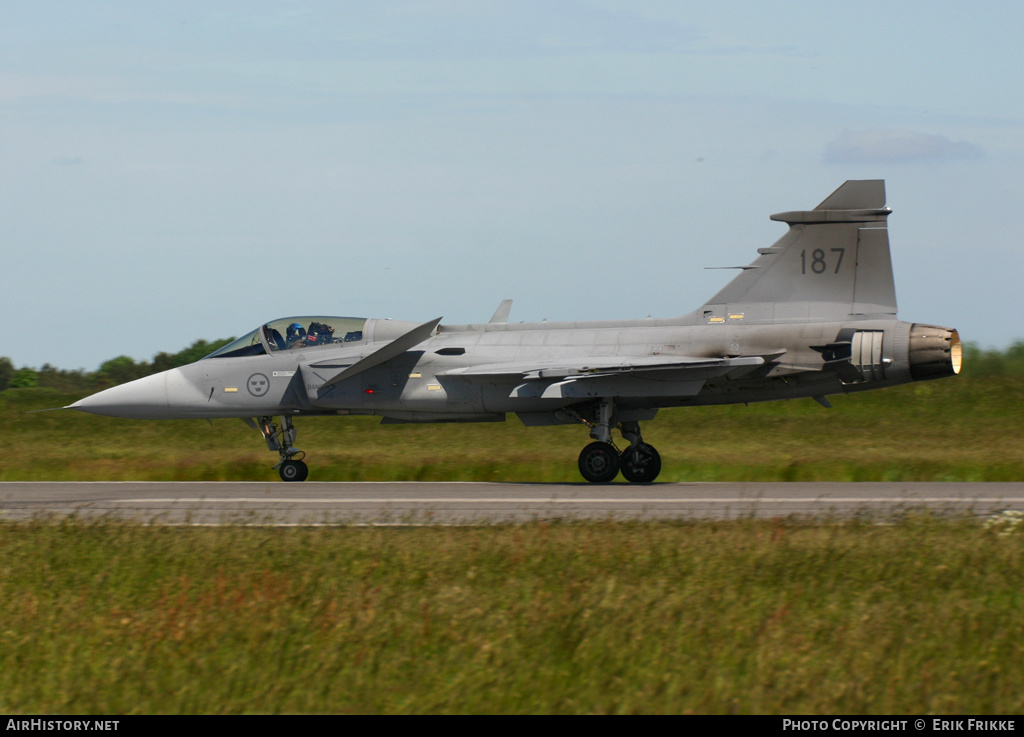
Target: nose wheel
282	440
292	470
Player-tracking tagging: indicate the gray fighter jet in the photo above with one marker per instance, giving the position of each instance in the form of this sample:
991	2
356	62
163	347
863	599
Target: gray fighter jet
813	315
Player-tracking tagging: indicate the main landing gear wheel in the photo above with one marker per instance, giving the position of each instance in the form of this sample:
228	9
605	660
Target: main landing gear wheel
293	471
599	462
640	463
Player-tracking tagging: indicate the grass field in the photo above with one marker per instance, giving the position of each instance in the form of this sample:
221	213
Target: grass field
955	429
922	616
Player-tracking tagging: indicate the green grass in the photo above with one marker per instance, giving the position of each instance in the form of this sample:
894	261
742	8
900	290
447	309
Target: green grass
962	429
923	616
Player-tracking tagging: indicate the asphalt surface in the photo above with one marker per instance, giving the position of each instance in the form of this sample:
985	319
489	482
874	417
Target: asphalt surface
408	503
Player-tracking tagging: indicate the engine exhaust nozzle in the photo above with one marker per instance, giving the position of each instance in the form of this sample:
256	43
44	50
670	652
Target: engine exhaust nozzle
934	352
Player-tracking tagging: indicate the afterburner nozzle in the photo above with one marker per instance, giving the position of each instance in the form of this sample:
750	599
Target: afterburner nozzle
934	352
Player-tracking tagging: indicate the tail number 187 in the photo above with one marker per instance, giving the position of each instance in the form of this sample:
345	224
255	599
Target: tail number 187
818	261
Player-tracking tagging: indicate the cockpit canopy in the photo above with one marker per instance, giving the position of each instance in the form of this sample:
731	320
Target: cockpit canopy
293	333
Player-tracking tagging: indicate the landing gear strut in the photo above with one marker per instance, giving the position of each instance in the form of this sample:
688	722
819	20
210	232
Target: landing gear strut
601	461
282	440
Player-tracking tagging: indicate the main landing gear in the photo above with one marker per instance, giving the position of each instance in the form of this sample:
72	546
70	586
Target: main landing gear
601	461
282	440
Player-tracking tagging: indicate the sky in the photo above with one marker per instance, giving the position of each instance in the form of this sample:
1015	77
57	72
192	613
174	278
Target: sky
177	171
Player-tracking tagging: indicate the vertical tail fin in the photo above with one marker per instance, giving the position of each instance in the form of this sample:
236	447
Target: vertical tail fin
833	264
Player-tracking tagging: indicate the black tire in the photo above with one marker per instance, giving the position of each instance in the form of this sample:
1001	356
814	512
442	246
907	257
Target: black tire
640	465
599	463
293	471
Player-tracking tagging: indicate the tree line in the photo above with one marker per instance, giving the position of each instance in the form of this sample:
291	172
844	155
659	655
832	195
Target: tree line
994	362
110	373
977	362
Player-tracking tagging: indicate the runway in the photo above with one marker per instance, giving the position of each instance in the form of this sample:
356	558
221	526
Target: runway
419	503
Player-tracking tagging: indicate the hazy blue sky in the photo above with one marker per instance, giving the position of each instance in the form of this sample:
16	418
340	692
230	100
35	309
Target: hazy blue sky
182	170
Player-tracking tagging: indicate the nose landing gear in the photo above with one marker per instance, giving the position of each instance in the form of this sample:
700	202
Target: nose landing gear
282	440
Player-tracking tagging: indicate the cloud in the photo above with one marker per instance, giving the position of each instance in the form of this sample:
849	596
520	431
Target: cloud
887	146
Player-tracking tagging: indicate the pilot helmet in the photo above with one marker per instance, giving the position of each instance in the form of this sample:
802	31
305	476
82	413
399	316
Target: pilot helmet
294	329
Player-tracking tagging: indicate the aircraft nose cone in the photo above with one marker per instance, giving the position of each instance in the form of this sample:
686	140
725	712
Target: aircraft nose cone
143	399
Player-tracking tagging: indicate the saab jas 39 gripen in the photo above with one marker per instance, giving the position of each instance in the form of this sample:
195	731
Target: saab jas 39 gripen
813	315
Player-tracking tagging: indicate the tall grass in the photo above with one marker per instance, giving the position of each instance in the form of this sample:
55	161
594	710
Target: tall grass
919	616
